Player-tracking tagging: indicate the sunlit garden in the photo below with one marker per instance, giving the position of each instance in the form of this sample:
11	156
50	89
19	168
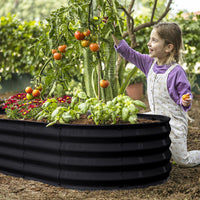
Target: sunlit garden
69	126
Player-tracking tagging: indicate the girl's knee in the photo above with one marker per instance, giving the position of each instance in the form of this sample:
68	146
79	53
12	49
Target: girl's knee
185	161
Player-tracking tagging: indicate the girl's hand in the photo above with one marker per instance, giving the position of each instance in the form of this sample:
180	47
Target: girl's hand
116	41
186	100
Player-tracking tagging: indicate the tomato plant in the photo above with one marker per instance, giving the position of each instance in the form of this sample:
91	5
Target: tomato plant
79	21
27	45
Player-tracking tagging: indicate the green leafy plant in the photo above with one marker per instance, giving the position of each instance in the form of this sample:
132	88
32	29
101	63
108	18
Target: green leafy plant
66	109
138	77
121	108
53	112
17	39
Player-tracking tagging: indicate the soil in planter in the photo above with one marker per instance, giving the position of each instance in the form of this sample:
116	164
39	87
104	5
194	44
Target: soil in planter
84	120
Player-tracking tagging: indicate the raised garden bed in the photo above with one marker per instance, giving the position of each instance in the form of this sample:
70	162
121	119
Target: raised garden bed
87	156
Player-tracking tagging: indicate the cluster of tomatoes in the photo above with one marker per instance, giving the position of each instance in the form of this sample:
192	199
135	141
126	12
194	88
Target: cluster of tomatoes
32	93
57	54
86	40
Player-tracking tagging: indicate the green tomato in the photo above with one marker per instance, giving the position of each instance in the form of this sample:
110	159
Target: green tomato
39	87
94	38
29	96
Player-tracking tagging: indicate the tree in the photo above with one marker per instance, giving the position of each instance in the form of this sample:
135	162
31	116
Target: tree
132	29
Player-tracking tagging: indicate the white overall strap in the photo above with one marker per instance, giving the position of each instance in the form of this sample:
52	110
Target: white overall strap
152	65
171	68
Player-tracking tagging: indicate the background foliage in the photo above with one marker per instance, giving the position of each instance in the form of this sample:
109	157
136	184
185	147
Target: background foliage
16	45
29	10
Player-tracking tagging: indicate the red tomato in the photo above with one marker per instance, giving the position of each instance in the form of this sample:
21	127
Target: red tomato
57	56
54	51
94	47
104	83
85	43
28	90
36	93
62	48
79	35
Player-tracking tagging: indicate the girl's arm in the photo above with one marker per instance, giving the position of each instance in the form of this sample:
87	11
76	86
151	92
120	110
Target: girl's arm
178	85
142	61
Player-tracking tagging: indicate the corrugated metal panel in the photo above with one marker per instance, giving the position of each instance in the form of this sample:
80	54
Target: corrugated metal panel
87	157
11	147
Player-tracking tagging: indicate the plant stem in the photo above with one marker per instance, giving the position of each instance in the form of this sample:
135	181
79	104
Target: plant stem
90	5
47	62
99	72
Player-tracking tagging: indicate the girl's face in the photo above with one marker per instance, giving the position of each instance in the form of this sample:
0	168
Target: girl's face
157	48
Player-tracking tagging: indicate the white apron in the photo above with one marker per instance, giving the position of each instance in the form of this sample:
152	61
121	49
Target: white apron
161	103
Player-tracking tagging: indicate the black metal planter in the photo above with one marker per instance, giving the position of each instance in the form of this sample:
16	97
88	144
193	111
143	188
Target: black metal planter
85	156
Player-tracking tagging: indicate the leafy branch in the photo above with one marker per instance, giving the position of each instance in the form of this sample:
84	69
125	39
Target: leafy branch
148	24
130	20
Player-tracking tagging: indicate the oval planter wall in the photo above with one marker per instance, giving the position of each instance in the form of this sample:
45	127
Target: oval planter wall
87	156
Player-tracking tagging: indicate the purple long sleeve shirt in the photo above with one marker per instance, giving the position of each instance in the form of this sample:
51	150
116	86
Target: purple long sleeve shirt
177	82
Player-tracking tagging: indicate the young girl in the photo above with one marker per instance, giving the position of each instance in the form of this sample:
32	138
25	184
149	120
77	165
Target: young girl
166	84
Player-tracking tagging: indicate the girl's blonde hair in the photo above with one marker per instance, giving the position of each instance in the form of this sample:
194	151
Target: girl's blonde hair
172	34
